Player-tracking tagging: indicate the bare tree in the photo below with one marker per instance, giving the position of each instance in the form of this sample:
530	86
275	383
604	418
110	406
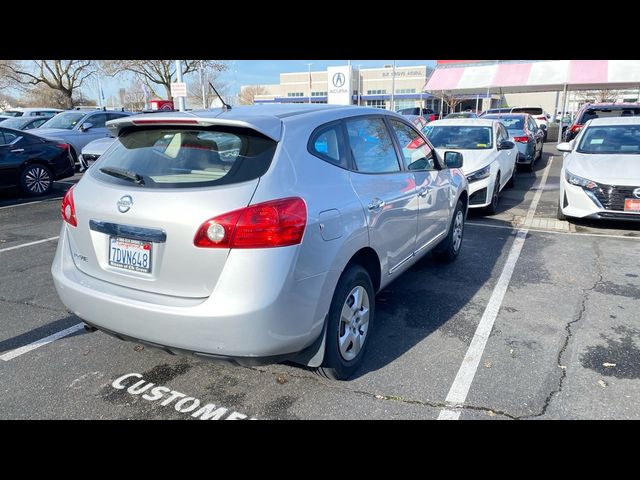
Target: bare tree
194	88
43	96
248	94
134	97
448	98
603	95
63	76
158	73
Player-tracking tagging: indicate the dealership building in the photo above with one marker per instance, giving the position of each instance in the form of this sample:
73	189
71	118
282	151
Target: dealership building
350	85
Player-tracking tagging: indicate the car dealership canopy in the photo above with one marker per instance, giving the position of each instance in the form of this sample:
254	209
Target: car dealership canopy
470	76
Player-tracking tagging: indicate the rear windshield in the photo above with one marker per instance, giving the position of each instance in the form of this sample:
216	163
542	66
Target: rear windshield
615	139
592	113
529	110
183	158
466	138
511	123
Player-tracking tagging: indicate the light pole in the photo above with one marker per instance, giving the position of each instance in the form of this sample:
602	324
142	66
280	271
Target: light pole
309	65
179	80
204	97
359	89
393	87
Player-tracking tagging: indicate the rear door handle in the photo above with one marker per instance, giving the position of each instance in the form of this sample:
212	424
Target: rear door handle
376	205
17	150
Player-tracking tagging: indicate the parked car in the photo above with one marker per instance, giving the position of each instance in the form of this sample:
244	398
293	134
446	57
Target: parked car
93	150
24	123
275	255
31	162
496	110
599	110
600	175
462	115
427	113
78	128
539	115
525	133
31	112
489	156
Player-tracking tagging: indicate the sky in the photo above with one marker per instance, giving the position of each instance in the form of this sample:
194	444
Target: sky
262	72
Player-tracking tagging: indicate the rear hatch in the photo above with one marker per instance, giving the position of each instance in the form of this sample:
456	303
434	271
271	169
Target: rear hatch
140	206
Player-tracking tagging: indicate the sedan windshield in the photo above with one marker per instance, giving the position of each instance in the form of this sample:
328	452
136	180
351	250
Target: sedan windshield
511	122
611	139
65	120
461	137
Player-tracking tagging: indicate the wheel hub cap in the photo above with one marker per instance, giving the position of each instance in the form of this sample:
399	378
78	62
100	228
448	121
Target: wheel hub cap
354	323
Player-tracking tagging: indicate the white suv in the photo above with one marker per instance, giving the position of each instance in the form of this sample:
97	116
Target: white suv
31	112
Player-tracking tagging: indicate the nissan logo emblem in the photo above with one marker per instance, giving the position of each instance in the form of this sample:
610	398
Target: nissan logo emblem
125	203
636	192
338	80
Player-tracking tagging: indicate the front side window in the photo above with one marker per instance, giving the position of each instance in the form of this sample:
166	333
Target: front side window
181	158
371	146
415	150
460	137
613	139
97	121
65	120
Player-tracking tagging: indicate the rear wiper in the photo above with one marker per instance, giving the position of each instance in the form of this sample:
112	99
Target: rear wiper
124	174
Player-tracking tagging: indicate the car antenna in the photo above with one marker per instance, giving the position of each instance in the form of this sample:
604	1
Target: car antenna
225	105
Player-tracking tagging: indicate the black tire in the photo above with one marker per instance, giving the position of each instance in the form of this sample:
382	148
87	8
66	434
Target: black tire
541	149
559	214
492	208
36	179
335	365
449	248
76	162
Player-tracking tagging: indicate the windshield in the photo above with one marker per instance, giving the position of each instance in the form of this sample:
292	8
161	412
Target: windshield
511	123
612	139
65	120
12	113
15	123
529	110
461	137
601	112
179	158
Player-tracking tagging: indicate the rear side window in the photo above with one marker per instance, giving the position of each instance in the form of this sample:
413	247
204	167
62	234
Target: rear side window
371	146
325	144
183	158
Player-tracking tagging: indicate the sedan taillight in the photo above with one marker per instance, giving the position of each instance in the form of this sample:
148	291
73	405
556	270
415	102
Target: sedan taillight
277	223
524	139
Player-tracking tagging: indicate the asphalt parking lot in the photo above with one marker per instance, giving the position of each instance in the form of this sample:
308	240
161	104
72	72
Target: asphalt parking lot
536	319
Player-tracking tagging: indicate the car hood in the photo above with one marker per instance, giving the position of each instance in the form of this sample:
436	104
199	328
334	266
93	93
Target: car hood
472	160
51	132
606	168
98	147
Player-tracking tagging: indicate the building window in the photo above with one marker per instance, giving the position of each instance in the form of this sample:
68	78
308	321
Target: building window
376	92
376	103
405	90
400	104
295	94
318	94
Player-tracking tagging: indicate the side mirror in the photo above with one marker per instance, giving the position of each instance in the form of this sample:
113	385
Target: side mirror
453	159
564	147
86	126
506	145
543	126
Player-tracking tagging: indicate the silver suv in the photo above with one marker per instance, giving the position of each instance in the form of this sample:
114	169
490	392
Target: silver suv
256	234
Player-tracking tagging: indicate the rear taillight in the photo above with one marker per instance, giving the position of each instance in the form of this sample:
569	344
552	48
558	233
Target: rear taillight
277	223
68	209
575	128
521	139
63	146
541	117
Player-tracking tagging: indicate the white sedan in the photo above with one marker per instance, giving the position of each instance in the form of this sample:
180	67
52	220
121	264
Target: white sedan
489	156
600	175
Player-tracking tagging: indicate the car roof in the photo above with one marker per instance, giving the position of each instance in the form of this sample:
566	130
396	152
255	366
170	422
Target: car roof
600	122
505	115
266	119
32	109
467	122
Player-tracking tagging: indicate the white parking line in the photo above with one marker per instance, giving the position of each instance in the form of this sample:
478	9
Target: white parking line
460	388
28	244
39	343
506	227
31	203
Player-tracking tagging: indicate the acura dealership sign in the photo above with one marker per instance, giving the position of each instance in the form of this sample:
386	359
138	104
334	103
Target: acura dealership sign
339	85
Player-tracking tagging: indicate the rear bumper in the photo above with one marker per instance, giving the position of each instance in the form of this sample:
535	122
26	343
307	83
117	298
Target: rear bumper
274	322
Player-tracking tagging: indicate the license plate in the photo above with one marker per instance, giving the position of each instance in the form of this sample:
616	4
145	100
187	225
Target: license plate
130	254
632	205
